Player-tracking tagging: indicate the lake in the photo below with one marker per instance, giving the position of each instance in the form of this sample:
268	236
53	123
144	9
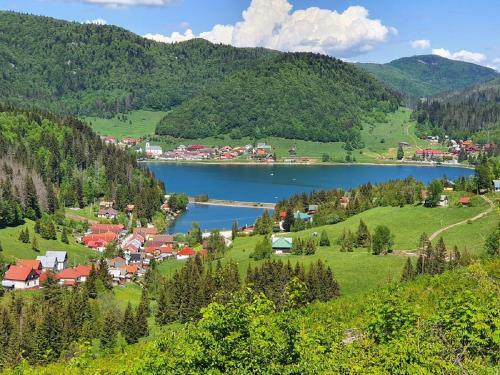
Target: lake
271	183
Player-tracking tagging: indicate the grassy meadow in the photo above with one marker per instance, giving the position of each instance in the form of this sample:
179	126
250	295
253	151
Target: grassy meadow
138	123
14	249
381	139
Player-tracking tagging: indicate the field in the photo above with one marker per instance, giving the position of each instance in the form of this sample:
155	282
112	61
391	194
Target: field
133	124
14	249
360	271
381	139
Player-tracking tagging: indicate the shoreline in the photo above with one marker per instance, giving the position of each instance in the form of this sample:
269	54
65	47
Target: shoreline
388	164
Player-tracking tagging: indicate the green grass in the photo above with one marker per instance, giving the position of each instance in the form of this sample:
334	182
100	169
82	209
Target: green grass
14	249
136	124
360	271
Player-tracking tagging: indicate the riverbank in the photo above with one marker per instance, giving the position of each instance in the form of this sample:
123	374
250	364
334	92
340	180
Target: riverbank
250	162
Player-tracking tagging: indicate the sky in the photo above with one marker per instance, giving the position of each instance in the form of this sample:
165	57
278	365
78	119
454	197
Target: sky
365	30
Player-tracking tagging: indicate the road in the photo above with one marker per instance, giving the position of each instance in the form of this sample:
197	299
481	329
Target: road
478	216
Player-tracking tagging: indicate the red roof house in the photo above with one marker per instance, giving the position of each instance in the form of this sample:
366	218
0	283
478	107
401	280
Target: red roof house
99	240
185	253
464	201
104	228
75	275
29	263
19	277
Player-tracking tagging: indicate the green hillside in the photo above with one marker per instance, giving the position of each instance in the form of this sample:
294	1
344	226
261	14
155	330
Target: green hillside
433	325
296	95
474	110
427	75
83	69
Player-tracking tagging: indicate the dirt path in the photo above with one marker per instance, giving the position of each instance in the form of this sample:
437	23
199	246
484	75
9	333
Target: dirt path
76	217
478	216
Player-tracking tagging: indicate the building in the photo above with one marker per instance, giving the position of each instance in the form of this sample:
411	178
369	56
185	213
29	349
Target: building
281	245
303	217
19	277
49	263
185	253
61	258
152	151
464	201
30	263
74	276
344	202
443	201
105	228
496	184
312	209
107	213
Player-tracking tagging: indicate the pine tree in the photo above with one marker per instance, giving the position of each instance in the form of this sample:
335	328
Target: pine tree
455	258
103	274
1	249
363	237
408	271
324	240
400	153
34	244
64	236
24	235
37	226
90	283
141	321
440	256
128	325
289	220
109	330
31	207
51	199
234	230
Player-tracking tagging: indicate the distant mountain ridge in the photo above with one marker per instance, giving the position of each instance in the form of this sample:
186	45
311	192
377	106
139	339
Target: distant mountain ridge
85	69
428	75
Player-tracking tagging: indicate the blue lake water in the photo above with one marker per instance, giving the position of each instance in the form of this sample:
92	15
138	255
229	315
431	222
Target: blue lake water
271	183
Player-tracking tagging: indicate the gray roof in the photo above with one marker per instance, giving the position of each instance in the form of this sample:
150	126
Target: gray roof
61	256
47	261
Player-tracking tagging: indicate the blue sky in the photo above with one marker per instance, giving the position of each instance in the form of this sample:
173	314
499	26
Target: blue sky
365	30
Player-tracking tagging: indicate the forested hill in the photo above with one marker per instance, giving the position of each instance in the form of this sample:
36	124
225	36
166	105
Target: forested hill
295	95
461	113
77	69
87	69
47	163
427	75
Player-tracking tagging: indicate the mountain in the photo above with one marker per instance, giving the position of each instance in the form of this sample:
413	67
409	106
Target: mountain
80	69
294	95
461	113
48	163
86	69
427	75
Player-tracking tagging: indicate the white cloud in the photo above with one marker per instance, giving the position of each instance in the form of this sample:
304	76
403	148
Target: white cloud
125	3
421	43
273	24
496	60
97	21
462	55
175	37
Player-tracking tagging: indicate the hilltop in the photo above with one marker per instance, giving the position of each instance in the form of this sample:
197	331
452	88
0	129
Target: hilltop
99	70
460	113
427	75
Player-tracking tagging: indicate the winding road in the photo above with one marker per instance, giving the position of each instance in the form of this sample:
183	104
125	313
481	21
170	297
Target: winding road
478	216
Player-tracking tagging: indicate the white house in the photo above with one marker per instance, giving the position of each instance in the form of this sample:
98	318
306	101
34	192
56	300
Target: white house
152	150
49	263
443	201
19	277
62	258
496	183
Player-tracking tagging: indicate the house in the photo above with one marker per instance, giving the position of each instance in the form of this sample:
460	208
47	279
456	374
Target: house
73	276
146	232
282	215
107	213
49	263
464	201
61	258
152	151
404	144
106	204
344	202
443	201
166	251
19	277
99	241
185	253
117	262
30	263
104	228
282	245
496	184
312	209
303	216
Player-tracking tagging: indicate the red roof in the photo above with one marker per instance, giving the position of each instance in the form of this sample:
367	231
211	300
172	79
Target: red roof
131	268
74	273
146	231
464	200
429	152
187	251
104	228
195	147
18	273
282	214
29	263
103	237
166	249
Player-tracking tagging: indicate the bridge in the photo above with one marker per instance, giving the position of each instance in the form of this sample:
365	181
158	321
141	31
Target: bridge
232	203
